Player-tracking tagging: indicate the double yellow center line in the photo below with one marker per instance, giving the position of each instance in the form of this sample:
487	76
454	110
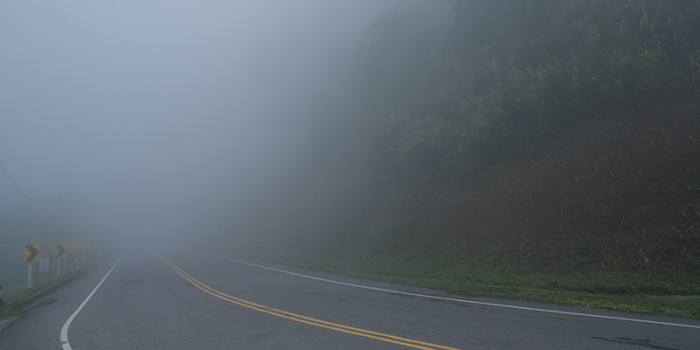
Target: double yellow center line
304	319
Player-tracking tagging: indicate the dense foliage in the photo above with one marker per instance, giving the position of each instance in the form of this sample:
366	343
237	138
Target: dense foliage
505	77
529	136
546	144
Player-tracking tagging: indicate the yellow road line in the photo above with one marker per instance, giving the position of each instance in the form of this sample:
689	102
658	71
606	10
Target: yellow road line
304	319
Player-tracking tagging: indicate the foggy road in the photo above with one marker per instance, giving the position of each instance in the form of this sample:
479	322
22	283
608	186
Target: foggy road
514	148
186	300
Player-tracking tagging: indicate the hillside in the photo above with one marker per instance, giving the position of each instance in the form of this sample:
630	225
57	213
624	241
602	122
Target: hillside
617	194
549	145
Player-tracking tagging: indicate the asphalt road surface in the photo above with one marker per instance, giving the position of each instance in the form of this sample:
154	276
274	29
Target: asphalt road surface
190	300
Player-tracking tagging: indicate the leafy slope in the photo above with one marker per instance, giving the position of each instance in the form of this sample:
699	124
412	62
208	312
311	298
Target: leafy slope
607	215
553	150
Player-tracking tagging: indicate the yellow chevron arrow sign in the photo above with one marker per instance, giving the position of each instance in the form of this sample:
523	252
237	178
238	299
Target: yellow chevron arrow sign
31	253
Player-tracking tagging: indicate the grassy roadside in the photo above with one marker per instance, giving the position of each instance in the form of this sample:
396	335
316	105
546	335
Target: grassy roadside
21	298
620	291
670	305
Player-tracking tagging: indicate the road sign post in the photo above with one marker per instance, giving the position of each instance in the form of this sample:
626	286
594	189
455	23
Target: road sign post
59	252
31	255
72	247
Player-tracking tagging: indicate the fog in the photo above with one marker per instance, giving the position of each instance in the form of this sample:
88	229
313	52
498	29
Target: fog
148	119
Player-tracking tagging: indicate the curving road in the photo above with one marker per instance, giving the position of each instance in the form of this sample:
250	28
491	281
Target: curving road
188	300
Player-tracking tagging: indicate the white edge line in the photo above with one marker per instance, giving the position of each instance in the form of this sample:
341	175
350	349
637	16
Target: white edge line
64	330
458	300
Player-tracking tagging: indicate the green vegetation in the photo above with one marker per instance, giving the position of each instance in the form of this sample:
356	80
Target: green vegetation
542	150
17	297
618	291
511	75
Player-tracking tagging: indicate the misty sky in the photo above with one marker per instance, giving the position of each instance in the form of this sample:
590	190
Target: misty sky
128	105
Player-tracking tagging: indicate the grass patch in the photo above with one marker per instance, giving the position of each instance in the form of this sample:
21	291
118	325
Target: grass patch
17	298
617	291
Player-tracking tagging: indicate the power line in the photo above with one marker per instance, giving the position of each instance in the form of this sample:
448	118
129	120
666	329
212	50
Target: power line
14	186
